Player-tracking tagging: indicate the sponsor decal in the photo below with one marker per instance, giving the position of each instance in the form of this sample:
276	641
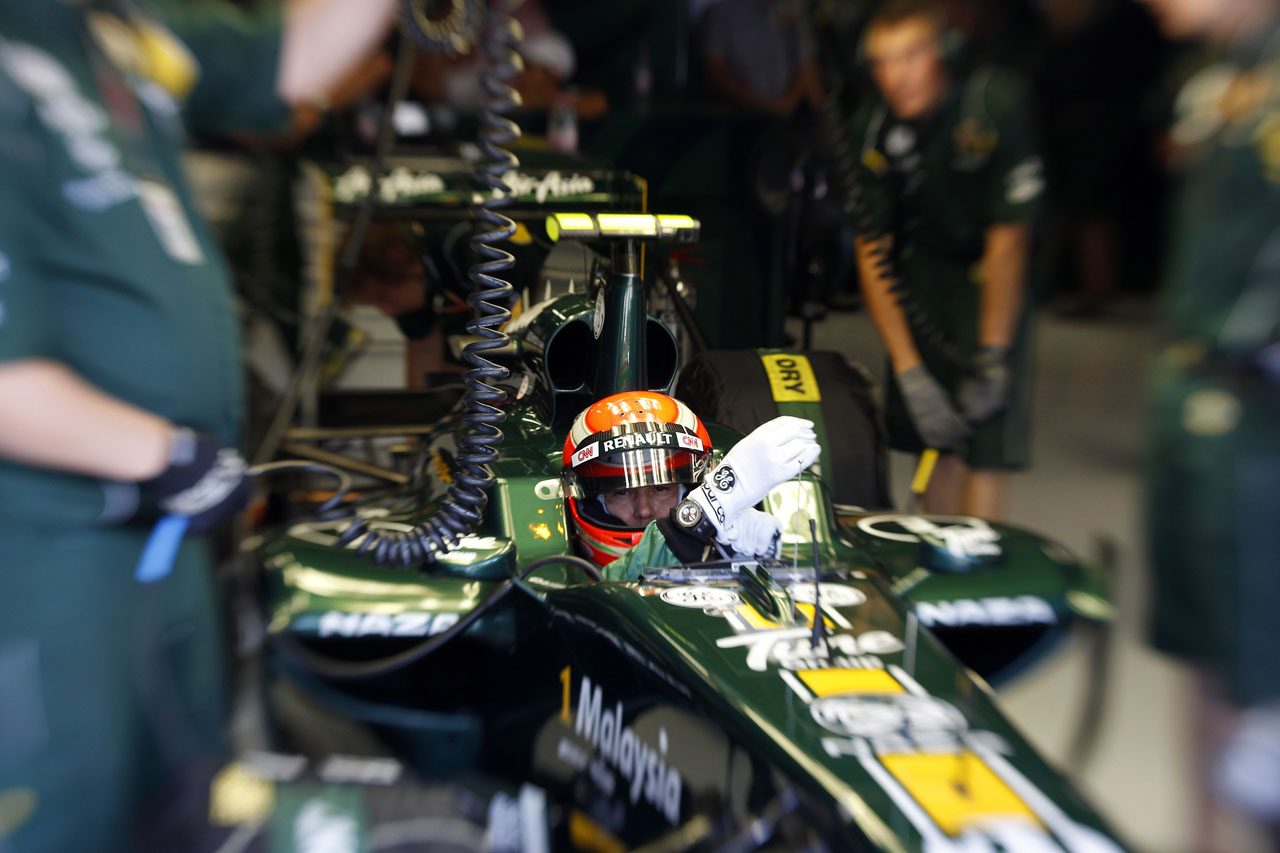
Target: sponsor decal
586	454
169	222
336	623
82	125
402	184
954	784
832	594
792	649
226	473
872	704
791	379
1211	412
634	440
643	768
572	753
875	161
358	770
397	185
691	442
963	537
1025	181
516	823
550	185
699	597
716	506
899	140
724	478
974	143
324	825
597	316
997	610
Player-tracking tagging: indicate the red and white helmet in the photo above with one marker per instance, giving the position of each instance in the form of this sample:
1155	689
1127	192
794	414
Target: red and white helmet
627	440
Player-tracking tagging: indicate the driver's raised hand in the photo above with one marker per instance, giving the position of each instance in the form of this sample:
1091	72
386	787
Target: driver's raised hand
773	453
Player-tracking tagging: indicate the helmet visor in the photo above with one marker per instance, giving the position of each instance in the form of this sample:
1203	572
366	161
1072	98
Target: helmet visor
629	469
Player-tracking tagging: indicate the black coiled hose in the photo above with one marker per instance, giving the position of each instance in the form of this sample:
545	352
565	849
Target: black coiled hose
923	329
463	506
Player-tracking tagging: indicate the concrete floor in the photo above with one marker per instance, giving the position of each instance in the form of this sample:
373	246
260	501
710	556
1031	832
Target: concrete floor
1085	483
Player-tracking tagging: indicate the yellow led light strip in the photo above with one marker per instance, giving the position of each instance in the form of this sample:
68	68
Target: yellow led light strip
639	224
589	226
570	224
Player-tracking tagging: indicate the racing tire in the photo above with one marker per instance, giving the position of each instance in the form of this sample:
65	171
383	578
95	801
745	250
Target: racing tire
732	387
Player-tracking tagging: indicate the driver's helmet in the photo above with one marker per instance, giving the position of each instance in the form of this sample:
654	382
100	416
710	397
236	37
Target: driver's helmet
636	438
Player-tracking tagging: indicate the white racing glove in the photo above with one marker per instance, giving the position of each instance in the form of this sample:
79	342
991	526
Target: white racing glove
773	453
753	533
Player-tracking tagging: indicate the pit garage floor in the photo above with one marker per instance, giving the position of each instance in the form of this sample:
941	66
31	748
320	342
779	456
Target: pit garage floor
1085	482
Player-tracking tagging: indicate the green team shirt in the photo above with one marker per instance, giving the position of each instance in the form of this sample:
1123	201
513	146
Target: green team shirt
937	185
105	264
1223	280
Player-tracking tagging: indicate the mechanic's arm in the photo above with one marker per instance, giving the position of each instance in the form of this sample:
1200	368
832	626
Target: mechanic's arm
51	418
54	419
888	315
1004	273
323	40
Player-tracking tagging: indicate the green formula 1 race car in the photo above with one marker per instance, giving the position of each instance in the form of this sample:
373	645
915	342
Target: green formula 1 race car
813	702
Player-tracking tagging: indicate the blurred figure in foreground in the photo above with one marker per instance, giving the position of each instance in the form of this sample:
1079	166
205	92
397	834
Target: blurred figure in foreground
121	387
947	185
1214	480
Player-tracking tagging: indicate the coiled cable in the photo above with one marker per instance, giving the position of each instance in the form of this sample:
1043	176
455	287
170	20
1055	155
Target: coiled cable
463	505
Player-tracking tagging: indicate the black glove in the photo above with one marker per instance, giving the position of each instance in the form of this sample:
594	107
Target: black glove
986	393
205	482
937	421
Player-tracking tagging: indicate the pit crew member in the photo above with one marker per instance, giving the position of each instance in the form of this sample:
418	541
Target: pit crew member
121	387
947	186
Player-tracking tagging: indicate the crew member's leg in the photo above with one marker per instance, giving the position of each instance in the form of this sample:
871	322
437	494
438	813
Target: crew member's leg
1001	445
986	493
945	492
80	743
70	736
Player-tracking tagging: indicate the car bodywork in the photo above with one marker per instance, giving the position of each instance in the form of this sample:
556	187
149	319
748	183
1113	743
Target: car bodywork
803	702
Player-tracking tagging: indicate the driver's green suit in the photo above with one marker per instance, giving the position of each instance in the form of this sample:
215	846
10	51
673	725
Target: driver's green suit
936	186
106	267
651	552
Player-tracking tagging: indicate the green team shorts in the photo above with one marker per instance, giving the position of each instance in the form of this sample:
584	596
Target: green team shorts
107	687
1213	526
